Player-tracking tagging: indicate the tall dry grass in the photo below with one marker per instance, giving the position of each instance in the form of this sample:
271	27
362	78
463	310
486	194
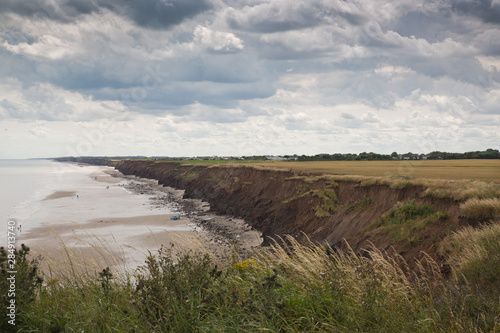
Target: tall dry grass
475	253
481	209
343	292
287	287
440	188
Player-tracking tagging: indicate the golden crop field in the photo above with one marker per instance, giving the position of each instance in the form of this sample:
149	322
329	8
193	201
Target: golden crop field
443	169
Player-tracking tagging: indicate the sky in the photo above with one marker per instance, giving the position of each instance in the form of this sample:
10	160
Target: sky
247	77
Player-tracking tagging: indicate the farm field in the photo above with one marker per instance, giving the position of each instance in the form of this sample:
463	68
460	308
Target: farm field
443	169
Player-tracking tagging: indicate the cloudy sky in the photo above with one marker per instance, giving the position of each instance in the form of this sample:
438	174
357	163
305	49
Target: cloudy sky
247	77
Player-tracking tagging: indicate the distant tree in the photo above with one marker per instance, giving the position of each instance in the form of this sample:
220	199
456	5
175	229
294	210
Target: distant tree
338	157
408	155
435	155
371	156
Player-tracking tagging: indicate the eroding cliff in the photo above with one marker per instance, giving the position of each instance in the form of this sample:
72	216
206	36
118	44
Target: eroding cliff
327	210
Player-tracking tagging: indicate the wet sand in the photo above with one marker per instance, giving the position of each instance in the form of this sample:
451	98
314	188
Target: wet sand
60	194
115	220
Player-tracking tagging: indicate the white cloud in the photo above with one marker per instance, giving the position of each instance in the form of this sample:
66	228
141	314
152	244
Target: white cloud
218	41
47	46
39	130
42	101
390	71
490	63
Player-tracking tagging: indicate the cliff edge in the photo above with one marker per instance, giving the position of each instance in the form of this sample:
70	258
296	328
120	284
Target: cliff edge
327	210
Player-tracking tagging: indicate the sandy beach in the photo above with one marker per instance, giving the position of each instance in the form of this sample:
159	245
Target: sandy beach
102	218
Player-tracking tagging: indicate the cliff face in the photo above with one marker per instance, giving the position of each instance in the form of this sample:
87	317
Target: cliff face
281	202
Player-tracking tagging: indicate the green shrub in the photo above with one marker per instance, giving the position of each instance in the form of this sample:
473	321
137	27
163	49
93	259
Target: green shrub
175	293
351	207
405	218
19	282
402	213
329	202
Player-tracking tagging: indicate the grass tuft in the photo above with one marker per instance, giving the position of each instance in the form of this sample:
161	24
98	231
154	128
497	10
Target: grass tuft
405	218
329	202
482	209
352	207
475	253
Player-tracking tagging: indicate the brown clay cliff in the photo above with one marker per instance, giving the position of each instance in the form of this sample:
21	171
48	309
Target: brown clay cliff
279	203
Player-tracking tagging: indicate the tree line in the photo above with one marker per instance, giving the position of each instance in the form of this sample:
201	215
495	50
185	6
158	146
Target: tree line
364	156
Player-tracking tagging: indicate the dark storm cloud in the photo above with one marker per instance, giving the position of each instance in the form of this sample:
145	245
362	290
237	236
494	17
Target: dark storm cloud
156	14
62	11
286	16
178	94
420	25
160	14
268	24
486	10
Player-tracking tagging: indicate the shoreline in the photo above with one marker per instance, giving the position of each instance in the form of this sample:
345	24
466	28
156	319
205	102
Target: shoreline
124	242
221	229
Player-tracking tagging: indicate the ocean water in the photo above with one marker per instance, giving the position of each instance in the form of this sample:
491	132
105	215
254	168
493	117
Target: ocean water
23	183
26	184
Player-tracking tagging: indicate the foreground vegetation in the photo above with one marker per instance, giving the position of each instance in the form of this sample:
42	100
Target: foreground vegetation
287	288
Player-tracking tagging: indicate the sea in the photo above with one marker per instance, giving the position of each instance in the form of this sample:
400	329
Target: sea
26	184
79	214
23	183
